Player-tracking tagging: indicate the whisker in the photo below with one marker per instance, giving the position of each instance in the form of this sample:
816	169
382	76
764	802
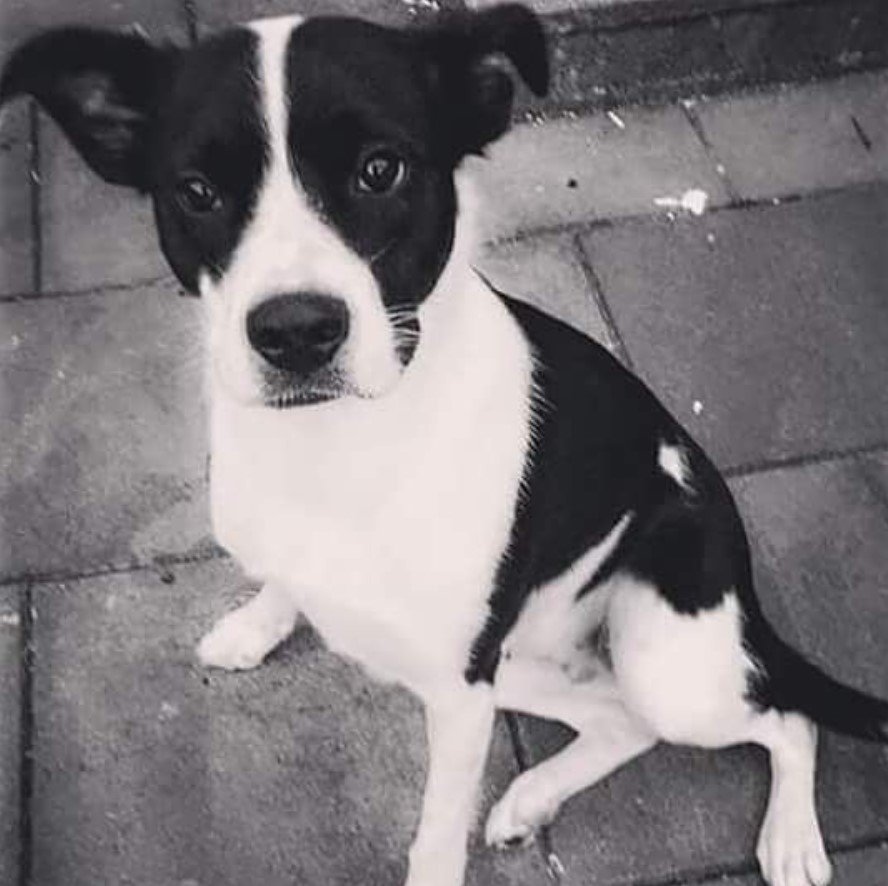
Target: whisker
381	252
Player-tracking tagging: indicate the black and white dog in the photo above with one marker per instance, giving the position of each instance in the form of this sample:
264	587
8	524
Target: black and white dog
458	491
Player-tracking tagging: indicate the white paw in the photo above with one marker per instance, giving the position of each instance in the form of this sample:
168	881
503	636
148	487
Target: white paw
237	642
791	851
524	809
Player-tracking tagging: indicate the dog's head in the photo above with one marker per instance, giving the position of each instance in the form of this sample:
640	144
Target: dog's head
301	171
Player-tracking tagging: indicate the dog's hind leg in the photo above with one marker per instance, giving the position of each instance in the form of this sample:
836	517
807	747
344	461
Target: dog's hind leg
688	676
609	736
241	639
790	848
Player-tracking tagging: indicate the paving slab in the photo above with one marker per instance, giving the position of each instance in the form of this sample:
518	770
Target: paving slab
797	140
818	540
547	272
10	706
104	454
16	261
152	770
772	320
574	169
94	234
863	867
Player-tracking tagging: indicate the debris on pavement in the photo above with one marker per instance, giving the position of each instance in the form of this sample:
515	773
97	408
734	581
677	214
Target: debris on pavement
693	201
616	119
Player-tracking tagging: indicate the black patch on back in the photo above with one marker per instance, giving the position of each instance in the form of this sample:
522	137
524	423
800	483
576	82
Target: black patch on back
210	124
596	458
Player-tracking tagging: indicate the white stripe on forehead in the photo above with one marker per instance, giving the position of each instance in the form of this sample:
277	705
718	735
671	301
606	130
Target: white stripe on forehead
274	38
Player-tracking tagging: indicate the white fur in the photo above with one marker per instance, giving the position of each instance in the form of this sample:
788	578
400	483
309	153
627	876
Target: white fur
673	460
790	847
685	675
609	735
553	626
241	640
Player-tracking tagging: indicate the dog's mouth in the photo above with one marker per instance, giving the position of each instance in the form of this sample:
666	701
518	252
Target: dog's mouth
283	391
299	398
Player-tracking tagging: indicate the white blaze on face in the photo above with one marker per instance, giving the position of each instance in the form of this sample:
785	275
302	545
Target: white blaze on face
286	247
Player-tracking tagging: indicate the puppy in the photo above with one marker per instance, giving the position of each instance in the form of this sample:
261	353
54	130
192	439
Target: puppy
457	490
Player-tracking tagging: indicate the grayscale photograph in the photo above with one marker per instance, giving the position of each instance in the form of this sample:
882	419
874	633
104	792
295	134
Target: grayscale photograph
443	443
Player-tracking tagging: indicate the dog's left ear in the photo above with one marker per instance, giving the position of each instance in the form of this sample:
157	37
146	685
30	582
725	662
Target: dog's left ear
101	87
472	90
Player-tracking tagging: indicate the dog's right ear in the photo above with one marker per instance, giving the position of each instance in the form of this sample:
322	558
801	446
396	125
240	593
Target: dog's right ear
101	87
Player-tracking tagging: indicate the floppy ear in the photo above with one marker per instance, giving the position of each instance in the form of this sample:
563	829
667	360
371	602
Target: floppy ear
473	90
101	88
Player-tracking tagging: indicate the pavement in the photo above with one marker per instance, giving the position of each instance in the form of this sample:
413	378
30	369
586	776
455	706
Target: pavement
761	323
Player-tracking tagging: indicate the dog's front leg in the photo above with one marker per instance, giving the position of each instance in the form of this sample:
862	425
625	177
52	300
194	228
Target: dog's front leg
241	639
459	725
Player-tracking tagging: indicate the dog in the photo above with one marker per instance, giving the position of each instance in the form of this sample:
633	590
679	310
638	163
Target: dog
458	491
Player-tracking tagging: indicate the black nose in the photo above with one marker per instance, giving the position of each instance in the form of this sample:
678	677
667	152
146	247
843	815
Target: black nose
298	332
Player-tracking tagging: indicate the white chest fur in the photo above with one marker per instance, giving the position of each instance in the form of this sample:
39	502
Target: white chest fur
387	517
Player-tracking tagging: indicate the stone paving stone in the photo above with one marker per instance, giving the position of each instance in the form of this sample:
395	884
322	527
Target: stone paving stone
104	449
213	14
151	770
818	539
117	244
864	867
546	272
773	319
576	169
9	733
797	140
818	533
15	206
867	98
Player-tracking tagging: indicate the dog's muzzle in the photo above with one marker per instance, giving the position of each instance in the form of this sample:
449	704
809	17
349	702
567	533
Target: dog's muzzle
298	332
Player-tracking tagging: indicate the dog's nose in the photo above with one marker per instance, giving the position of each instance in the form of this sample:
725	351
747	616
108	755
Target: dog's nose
298	332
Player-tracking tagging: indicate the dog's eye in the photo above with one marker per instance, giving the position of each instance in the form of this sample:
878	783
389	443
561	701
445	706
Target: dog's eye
380	172
197	195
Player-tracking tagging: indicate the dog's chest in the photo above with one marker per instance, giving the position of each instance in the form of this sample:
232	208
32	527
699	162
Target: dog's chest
387	518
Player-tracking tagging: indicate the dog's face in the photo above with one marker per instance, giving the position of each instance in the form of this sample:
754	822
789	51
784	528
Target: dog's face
302	174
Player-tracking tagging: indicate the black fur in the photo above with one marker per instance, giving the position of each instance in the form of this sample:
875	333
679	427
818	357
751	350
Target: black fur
598	434
595	458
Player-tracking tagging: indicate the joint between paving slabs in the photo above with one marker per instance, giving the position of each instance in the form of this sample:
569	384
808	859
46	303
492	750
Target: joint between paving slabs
162	565
693	118
800	461
598	296
34	195
189	15
26	734
98	289
543	843
522	235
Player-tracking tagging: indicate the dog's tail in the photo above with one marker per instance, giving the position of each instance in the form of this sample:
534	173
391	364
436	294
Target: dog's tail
788	682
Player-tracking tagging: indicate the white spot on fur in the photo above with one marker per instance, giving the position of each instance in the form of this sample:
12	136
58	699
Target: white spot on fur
673	460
